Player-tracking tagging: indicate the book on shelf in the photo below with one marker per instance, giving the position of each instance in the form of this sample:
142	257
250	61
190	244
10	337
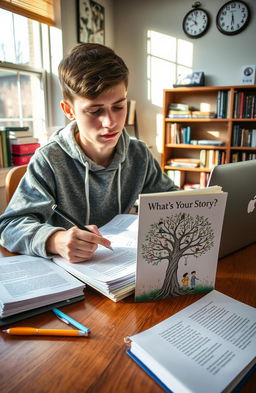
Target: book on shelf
31	285
20	134
179	114
191	186
184	162
26	148
176	134
178	177
222	100
209	142
112	273
5	148
178	107
22	153
24	140
209	346
178	242
203	115
244	105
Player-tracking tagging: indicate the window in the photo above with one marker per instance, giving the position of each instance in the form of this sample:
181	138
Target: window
22	100
167	58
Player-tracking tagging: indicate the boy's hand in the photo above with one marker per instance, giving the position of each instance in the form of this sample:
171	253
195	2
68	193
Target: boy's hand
76	245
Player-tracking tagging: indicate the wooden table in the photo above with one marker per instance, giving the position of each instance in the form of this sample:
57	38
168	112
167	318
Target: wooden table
100	364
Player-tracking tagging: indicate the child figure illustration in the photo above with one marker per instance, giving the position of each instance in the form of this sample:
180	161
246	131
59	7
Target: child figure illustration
193	279
185	280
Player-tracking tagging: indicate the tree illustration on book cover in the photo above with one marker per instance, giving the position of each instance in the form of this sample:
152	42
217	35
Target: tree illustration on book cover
172	240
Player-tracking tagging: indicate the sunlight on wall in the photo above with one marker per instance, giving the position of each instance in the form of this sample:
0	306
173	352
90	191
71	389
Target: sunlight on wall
167	58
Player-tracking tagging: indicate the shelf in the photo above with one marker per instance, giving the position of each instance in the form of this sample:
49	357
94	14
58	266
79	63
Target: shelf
227	100
243	148
190	120
195	147
185	169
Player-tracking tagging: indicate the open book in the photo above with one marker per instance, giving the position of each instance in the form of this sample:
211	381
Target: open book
178	242
207	347
110	272
30	285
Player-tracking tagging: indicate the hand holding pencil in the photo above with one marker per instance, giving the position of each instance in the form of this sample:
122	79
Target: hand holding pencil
78	243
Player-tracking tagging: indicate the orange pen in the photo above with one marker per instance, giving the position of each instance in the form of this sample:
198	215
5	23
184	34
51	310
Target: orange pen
29	331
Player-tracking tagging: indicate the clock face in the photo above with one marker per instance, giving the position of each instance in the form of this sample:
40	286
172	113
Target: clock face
196	23
233	17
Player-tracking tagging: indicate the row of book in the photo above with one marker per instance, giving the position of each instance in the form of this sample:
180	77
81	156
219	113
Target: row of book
242	156
178	134
222	104
179	178
244	105
184	111
17	145
207	159
243	136
211	158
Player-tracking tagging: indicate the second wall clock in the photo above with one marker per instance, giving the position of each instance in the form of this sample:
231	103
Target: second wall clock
233	17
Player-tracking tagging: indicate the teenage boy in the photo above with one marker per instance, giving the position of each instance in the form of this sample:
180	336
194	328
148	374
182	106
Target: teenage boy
91	169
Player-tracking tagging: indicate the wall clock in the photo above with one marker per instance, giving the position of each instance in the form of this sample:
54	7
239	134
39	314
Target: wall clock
233	17
196	22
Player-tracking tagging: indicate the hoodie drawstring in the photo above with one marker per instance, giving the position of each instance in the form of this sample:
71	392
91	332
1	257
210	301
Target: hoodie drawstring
119	189
86	183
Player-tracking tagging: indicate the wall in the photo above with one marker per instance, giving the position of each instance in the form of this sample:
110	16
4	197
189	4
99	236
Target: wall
219	56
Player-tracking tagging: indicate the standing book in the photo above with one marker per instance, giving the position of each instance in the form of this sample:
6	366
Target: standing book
178	242
208	346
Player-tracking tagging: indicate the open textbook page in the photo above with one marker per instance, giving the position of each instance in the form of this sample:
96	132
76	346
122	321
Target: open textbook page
207	347
28	282
111	272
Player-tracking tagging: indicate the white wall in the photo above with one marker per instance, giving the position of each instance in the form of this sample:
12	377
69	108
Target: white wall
219	56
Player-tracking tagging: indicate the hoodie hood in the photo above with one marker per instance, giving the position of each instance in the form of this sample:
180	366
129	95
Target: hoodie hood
65	138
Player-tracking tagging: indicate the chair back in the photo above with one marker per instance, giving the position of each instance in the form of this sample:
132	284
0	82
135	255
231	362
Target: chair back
12	180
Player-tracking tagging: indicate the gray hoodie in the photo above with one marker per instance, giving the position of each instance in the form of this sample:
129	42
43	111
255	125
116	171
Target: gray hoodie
61	173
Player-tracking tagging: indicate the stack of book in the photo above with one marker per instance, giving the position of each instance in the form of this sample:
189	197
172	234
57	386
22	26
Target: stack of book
23	145
178	111
203	115
184	162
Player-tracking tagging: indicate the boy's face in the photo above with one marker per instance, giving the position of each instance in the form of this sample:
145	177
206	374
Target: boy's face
100	120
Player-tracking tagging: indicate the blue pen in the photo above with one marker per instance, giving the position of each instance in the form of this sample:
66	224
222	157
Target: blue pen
70	321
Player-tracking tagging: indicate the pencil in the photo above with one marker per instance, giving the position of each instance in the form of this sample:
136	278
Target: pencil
73	221
29	331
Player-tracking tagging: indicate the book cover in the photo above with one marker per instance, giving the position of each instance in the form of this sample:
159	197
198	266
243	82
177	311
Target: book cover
178	242
27	148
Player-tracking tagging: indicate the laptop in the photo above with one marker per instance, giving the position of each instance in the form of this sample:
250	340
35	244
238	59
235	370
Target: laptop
239	226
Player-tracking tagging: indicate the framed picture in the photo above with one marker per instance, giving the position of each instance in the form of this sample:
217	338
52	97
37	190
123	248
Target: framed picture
90	22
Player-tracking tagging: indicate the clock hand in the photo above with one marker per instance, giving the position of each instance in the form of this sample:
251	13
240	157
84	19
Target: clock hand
232	19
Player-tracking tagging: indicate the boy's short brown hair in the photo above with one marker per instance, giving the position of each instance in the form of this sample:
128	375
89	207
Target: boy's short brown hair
89	69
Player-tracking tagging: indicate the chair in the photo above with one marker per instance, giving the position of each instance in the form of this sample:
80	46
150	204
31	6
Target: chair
12	180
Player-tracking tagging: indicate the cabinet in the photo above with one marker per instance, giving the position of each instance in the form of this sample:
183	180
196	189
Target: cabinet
232	124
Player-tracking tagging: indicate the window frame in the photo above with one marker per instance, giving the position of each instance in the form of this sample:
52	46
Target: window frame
43	71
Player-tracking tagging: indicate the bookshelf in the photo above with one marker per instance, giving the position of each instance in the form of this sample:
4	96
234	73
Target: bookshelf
226	134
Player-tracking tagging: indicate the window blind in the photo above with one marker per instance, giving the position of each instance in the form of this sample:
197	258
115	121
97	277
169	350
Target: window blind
40	10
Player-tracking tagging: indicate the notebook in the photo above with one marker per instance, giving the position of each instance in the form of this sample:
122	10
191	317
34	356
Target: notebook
239	227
